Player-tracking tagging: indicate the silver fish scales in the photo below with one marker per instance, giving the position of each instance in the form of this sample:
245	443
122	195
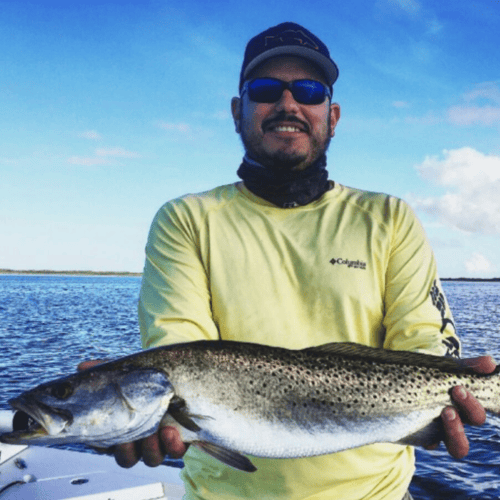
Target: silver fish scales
232	399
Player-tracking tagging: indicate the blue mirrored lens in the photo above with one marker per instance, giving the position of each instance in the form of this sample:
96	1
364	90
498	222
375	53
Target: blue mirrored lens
308	92
269	90
265	90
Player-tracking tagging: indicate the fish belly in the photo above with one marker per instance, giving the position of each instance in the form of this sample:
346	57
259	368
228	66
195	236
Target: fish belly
271	438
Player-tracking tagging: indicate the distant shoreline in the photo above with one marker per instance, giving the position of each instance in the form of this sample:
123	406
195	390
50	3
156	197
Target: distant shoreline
126	273
69	273
471	279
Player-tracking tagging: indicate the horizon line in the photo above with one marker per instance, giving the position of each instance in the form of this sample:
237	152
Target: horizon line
133	273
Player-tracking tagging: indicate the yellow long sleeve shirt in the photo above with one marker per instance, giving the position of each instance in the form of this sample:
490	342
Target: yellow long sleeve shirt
352	266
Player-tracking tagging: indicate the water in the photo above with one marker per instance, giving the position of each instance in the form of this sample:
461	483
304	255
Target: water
476	308
49	324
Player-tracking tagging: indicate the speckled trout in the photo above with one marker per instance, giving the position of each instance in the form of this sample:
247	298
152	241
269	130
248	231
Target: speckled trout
233	399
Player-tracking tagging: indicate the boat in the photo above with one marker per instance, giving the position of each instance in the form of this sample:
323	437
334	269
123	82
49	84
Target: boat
41	473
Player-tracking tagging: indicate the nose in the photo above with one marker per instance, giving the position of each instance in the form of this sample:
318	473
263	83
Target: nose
287	102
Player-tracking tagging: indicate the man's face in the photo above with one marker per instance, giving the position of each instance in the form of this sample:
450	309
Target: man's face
285	134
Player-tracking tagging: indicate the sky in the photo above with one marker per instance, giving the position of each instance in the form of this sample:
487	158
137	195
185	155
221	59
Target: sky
108	109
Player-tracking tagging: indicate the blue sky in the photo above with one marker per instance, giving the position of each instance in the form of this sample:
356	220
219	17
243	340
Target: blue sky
110	108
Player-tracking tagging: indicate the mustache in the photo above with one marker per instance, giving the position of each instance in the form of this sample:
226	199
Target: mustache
283	117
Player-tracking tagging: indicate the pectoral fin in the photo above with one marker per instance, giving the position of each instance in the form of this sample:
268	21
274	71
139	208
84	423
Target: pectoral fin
177	410
228	457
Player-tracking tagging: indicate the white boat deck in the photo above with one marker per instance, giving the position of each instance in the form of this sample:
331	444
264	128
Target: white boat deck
38	473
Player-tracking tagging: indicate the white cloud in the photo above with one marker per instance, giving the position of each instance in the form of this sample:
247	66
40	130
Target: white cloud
486	113
472	202
91	134
486	90
468	115
103	157
478	263
400	104
415	11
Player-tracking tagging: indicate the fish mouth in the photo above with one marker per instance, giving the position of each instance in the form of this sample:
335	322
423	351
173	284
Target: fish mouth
24	429
31	423
25	423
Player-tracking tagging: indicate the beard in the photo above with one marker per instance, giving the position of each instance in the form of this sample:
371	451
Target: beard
282	159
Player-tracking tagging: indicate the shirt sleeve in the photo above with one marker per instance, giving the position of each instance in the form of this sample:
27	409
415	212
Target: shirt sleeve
174	301
417	314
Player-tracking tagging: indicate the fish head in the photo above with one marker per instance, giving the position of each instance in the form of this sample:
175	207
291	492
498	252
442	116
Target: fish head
102	406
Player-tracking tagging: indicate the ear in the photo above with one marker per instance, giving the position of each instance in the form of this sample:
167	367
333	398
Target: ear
236	112
334	117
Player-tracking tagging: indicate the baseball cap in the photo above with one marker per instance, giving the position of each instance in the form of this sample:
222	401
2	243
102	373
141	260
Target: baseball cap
288	39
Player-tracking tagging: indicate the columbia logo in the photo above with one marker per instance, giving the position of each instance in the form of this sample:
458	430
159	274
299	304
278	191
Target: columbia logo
356	264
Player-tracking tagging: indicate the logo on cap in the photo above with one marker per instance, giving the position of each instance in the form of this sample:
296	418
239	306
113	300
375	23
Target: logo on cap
290	37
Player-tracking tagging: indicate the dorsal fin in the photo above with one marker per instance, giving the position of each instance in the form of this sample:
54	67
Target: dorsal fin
379	355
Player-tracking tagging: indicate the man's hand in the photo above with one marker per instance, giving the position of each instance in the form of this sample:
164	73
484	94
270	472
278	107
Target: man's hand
470	411
152	449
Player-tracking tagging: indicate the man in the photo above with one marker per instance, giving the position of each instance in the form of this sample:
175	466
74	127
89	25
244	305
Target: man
288	258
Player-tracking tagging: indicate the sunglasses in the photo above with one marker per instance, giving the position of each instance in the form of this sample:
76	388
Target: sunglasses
270	90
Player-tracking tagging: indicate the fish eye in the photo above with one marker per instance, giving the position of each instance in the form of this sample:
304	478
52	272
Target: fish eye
62	391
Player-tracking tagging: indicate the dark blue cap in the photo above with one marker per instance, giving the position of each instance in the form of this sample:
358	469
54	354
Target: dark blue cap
288	39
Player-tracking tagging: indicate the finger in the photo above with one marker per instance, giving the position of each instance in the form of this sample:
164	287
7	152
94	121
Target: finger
431	447
481	364
172	442
455	439
85	365
471	410
126	455
152	453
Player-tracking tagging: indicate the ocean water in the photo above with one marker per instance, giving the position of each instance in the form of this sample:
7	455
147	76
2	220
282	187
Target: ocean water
49	324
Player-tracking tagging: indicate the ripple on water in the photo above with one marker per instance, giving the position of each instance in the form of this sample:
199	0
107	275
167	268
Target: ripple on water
48	324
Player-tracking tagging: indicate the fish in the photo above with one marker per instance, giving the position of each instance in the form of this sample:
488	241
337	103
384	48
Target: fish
235	400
